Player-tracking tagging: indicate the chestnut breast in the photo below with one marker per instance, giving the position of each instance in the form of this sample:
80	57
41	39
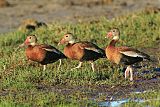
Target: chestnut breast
73	51
113	54
35	53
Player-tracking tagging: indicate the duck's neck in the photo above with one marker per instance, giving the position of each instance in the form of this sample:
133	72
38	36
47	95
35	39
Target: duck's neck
32	45
71	41
70	44
113	43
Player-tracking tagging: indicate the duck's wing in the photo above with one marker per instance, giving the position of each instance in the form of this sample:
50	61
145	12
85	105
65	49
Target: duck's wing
50	48
130	52
92	47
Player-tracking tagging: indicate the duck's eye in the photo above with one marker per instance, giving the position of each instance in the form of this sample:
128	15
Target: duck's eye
30	37
67	36
113	31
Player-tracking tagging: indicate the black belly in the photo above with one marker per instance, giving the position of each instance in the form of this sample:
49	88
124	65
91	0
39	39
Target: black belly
92	56
52	57
127	60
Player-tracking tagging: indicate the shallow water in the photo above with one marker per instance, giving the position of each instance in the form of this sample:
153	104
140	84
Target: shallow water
118	103
157	69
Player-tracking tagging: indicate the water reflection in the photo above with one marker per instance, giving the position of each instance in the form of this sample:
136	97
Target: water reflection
118	103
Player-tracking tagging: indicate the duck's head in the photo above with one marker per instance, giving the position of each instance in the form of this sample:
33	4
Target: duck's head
113	34
67	38
30	40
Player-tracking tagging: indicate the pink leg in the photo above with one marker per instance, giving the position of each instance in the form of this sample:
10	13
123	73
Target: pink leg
92	65
44	67
131	74
60	63
80	64
127	72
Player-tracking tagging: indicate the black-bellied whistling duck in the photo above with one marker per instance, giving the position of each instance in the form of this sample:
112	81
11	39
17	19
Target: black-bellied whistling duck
82	51
123	55
41	53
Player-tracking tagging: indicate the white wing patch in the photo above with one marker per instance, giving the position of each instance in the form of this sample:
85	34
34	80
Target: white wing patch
51	50
132	54
92	49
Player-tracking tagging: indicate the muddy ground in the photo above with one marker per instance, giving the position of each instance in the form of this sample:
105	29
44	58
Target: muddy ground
109	92
15	11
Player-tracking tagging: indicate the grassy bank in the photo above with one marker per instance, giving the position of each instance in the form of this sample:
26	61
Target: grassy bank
25	84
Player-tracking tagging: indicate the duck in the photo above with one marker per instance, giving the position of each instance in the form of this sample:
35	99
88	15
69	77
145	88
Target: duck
41	53
123	55
81	51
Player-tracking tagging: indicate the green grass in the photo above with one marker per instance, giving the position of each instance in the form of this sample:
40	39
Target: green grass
25	84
